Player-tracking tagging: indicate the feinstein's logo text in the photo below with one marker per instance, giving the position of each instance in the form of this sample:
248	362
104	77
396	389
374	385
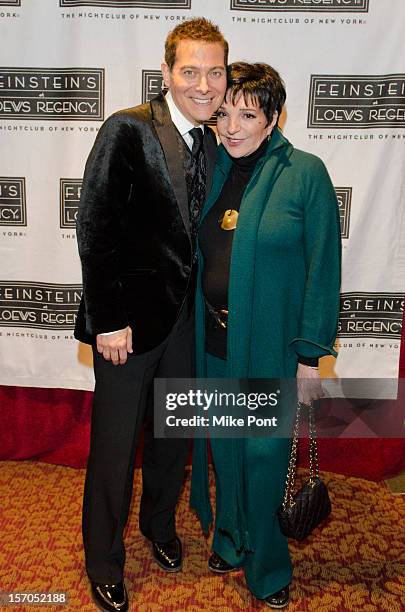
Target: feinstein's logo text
153	4
13	207
318	6
152	84
344	198
356	101
371	315
69	201
73	94
38	305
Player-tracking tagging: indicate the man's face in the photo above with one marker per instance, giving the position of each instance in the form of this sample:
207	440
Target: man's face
197	80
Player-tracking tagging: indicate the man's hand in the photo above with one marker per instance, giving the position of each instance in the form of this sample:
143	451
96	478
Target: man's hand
115	347
309	386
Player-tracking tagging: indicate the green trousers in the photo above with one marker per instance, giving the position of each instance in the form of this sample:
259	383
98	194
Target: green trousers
268	566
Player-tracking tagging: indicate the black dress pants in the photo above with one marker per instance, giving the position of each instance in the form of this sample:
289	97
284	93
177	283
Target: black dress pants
123	402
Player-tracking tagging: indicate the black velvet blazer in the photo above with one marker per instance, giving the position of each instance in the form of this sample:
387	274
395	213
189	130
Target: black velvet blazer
133	227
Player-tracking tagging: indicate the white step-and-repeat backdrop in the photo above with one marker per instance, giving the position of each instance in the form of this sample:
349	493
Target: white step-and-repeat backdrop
67	64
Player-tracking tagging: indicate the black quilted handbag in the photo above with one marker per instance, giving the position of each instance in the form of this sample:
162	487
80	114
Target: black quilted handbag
304	510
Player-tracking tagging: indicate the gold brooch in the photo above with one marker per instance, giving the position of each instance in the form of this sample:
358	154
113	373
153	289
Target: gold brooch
229	219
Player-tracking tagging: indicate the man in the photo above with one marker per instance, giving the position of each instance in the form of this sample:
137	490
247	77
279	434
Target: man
144	185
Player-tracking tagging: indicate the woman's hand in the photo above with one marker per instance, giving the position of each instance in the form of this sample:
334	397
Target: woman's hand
309	385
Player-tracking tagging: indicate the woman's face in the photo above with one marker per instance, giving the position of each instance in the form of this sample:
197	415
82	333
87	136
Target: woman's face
242	126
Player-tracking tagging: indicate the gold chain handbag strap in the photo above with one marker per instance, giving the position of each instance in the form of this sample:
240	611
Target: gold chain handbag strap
313	455
313	448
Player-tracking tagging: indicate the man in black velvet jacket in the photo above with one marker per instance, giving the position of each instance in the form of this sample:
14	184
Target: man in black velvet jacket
136	232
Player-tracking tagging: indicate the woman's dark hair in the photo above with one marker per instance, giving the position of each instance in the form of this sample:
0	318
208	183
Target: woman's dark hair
258	81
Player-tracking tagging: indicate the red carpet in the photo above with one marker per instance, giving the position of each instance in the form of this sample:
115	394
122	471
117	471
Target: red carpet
356	562
53	425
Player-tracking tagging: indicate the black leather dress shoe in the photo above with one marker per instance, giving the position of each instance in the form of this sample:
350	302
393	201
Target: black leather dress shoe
110	597
168	555
280	599
218	565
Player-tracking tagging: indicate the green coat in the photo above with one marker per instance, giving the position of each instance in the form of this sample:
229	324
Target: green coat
284	281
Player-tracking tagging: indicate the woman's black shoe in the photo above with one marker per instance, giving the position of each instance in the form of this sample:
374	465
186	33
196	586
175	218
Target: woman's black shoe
110	597
280	599
218	565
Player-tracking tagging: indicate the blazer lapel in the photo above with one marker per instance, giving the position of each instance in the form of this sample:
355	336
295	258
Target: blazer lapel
166	133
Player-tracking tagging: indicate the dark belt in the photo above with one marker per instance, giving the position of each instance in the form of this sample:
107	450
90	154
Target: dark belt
219	317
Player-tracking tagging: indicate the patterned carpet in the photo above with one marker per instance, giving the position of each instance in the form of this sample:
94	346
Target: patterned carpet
357	562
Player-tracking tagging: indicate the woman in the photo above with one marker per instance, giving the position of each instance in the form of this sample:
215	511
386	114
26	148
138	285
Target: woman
267	307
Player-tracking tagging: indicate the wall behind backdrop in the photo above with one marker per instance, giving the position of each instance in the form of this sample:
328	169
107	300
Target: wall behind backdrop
67	64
